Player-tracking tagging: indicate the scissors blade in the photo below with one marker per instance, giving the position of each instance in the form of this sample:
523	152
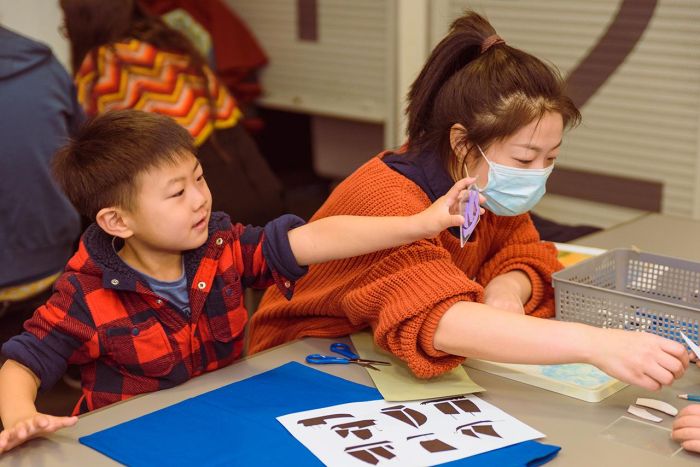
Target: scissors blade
375	362
366	365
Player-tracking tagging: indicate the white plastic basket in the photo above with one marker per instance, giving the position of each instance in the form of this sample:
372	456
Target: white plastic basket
626	289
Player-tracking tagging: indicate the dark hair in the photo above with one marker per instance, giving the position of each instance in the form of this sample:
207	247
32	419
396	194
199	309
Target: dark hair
99	167
90	24
492	94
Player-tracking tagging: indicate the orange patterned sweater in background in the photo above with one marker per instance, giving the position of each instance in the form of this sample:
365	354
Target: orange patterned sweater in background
402	293
136	75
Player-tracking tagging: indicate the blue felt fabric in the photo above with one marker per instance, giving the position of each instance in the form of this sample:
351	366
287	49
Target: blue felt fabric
236	425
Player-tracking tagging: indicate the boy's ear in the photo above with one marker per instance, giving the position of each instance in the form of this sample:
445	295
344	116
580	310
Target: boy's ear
458	136
112	221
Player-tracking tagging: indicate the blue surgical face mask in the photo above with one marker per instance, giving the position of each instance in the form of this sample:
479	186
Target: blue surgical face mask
511	191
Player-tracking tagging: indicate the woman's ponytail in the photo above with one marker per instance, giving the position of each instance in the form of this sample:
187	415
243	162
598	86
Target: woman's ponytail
462	45
474	79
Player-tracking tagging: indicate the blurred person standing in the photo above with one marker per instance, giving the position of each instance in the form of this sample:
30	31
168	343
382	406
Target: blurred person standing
125	58
38	225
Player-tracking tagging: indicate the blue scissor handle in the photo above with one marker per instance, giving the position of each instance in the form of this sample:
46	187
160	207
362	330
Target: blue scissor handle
344	350
319	359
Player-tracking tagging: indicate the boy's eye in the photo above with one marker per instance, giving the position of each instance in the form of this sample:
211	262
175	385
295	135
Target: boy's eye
179	193
200	178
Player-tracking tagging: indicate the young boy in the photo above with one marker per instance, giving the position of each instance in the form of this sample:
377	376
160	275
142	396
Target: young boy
154	295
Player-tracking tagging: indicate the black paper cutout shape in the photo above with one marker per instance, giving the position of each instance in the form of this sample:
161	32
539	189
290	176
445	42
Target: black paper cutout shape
358	428
483	427
373	452
406	415
452	405
432	445
322	420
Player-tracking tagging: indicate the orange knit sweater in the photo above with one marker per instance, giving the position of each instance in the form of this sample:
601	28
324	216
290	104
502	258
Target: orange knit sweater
402	293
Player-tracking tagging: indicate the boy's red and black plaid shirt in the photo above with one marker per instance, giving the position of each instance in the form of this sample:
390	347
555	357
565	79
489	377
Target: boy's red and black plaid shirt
126	339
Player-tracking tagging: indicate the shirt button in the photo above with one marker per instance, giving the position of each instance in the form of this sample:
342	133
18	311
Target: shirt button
135	332
287	284
159	301
201	285
219	241
115	281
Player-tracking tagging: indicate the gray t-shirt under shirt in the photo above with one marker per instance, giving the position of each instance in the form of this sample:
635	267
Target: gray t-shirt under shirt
175	292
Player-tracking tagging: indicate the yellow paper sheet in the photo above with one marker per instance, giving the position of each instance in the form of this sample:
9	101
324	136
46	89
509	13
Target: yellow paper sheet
569	259
397	383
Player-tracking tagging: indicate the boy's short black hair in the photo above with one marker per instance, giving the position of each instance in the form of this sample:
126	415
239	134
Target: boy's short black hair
99	167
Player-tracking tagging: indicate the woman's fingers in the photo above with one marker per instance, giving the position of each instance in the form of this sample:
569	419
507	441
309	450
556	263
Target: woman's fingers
673	364
660	374
676	349
643	381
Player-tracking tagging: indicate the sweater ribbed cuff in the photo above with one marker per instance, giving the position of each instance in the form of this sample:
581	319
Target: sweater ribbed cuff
535	281
427	332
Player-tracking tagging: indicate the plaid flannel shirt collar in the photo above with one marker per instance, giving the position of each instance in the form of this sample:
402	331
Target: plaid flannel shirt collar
117	275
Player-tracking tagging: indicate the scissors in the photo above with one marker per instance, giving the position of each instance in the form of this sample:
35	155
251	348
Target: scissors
348	356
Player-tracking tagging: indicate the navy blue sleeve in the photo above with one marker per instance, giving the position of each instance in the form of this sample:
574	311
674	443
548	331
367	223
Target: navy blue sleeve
277	250
33	353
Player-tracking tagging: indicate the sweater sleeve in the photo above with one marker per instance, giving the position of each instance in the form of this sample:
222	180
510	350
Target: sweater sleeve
266	257
85	80
520	248
403	296
60	332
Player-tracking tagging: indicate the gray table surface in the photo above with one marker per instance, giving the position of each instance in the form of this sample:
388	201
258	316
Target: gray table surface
574	425
652	233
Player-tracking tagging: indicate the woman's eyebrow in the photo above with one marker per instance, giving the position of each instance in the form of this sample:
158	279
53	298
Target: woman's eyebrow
535	148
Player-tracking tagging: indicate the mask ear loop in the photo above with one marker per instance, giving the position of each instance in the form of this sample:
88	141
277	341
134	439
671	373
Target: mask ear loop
487	161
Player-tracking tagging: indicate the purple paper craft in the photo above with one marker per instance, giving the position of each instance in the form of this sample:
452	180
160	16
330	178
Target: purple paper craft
471	214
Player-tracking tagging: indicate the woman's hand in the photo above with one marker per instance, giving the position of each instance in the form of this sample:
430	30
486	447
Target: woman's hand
638	358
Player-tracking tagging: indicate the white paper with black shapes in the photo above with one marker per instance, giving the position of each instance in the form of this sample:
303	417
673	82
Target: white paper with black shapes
427	432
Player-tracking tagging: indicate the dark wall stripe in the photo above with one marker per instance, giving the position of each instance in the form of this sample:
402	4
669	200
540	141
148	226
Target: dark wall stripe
621	191
307	20
612	49
584	81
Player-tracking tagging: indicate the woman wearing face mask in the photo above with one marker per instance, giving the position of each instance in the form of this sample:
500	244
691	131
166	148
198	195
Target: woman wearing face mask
483	108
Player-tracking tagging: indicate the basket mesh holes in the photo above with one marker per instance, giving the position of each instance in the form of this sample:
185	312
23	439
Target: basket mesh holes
632	291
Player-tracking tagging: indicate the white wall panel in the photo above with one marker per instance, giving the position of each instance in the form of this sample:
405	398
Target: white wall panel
643	121
343	74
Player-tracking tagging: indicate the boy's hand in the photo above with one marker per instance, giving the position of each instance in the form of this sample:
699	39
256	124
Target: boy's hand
638	358
31	427
444	212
